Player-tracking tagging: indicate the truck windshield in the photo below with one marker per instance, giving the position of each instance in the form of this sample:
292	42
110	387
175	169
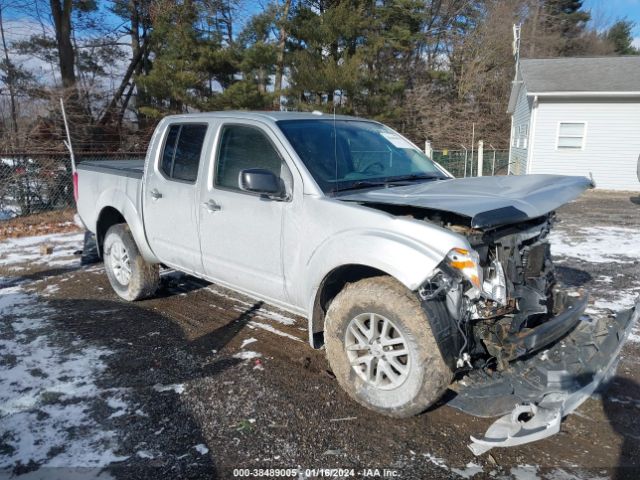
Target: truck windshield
349	154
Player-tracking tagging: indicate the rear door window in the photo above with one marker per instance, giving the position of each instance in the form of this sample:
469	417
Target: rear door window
182	151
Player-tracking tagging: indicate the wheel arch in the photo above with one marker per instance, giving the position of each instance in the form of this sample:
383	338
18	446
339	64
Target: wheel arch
110	216
329	287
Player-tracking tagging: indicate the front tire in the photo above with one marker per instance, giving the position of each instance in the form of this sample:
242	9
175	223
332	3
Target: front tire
131	277
382	350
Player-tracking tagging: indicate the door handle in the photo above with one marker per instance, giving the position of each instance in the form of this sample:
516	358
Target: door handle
155	194
212	206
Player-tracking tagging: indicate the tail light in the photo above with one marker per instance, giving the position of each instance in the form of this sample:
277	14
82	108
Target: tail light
75	186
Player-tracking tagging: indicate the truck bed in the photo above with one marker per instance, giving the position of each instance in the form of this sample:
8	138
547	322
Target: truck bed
126	168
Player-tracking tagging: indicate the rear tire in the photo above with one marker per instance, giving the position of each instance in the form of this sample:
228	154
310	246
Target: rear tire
131	277
370	363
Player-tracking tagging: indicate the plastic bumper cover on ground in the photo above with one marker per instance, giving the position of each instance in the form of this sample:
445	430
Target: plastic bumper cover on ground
533	395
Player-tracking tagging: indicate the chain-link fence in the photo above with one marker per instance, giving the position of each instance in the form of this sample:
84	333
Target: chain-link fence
464	163
36	182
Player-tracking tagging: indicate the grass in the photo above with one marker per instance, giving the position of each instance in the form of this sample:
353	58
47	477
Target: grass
57	221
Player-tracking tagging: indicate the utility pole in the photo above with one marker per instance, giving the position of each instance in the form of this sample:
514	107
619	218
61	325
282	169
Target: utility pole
516	46
473	139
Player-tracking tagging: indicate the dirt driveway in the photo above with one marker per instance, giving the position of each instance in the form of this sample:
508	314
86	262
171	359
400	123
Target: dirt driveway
201	381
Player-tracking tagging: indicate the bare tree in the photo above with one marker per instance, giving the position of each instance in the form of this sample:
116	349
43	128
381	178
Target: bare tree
282	41
10	75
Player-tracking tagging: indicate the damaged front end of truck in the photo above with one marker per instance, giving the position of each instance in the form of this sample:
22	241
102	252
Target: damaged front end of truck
520	342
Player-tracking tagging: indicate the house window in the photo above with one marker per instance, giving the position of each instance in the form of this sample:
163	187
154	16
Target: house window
571	135
520	137
524	134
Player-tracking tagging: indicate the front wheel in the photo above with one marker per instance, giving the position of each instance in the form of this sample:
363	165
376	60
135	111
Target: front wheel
131	277
382	350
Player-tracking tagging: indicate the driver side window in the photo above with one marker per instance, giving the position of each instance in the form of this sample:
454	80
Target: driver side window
243	147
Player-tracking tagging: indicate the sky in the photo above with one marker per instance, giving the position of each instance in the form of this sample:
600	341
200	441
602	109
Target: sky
604	12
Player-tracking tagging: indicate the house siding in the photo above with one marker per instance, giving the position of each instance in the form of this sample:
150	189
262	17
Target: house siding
521	118
611	147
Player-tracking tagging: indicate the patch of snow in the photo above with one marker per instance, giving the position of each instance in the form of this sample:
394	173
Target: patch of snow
202	449
269	315
27	249
146	454
598	244
247	355
436	460
560	474
247	341
48	390
9	211
260	312
621	301
118	405
271	329
176	387
525	472
49	290
469	471
624	401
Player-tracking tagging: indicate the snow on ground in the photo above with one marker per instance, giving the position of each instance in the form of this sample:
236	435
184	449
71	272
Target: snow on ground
175	387
9	211
15	251
247	341
247	355
619	301
469	471
48	390
598	244
260	312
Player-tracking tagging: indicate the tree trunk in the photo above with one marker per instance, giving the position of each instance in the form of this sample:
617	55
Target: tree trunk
61	13
10	79
282	42
135	61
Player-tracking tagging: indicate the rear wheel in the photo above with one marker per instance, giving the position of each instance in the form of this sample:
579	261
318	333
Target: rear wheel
381	348
131	277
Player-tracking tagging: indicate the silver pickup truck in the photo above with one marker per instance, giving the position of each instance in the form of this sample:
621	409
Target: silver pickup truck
420	286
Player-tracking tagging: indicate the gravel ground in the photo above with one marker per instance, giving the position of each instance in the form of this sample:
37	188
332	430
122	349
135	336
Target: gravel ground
200	381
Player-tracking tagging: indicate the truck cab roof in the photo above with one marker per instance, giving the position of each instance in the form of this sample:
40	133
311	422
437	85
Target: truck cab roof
271	116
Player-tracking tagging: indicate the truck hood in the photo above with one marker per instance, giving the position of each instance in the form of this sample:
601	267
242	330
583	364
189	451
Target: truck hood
487	201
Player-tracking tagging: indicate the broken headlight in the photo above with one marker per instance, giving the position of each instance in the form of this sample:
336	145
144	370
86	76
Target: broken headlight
467	263
495	284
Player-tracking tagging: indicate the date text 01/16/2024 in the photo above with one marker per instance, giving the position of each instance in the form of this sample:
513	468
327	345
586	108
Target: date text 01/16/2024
317	472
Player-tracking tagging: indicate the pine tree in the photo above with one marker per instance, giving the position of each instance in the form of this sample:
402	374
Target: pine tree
620	37
567	19
176	80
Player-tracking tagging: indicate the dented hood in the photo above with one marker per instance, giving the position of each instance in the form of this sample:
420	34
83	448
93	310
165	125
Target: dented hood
487	201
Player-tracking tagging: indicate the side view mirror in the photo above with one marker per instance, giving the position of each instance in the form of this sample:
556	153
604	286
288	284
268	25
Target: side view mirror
259	180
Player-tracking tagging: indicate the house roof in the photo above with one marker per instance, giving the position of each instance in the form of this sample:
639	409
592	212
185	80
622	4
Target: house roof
577	76
582	74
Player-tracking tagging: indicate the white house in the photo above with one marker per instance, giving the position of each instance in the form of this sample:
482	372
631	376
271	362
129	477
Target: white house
577	116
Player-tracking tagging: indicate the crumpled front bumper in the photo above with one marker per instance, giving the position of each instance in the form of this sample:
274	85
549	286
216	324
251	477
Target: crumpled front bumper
534	394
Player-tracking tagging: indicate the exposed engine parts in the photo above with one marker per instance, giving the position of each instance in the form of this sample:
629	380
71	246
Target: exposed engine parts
499	291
